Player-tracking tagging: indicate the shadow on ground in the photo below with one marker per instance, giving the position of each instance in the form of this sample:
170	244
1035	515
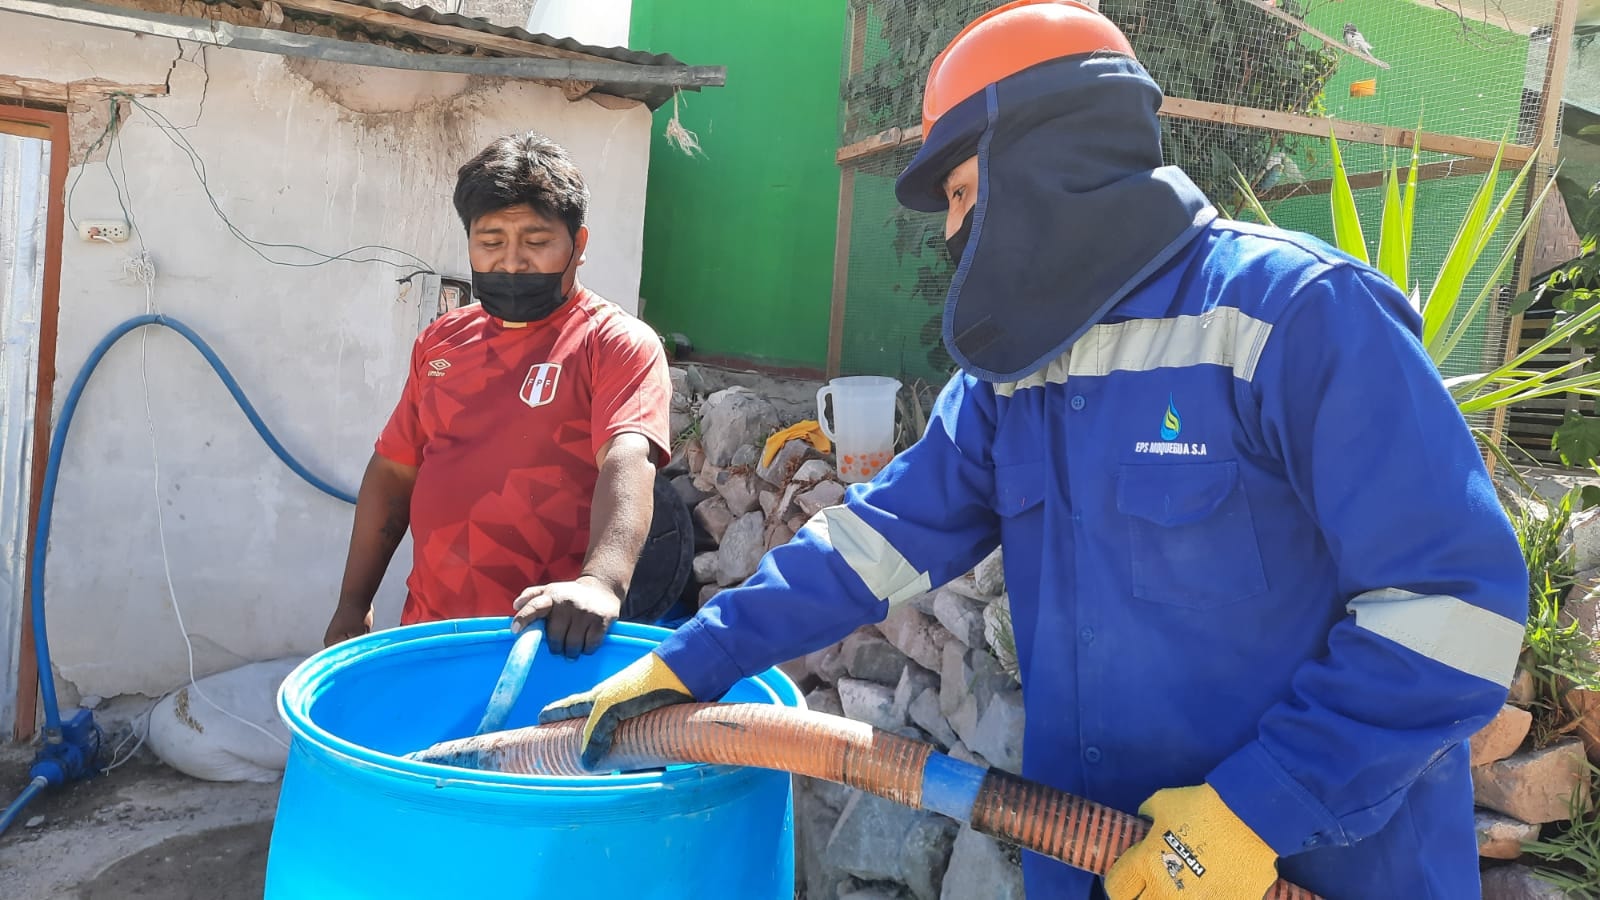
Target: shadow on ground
144	832
223	862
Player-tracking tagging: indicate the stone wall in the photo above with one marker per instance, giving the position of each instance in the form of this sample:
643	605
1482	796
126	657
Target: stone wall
939	669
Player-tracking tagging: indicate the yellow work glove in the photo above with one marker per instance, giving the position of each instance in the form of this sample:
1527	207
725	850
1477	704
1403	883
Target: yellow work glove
1197	849
646	684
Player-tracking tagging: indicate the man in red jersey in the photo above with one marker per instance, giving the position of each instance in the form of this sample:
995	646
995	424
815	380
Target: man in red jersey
523	451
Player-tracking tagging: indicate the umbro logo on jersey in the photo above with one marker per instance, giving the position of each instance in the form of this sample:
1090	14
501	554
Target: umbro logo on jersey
539	387
438	366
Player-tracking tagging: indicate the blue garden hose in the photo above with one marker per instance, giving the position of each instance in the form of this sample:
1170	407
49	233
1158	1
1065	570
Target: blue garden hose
34	789
512	678
69	754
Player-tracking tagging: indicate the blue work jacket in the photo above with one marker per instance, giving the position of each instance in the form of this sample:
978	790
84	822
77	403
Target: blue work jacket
1249	540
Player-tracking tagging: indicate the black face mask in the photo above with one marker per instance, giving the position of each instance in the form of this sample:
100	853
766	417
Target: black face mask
520	296
956	244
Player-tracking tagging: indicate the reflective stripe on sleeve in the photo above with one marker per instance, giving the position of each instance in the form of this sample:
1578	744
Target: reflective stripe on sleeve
886	573
1445	629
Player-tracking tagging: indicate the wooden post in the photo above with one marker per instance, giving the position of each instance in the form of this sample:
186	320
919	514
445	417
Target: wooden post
857	52
841	268
1544	142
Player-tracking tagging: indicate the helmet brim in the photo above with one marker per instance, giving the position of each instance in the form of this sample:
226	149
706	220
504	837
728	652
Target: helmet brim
952	140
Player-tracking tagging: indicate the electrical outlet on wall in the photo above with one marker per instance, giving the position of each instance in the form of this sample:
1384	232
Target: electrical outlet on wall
114	230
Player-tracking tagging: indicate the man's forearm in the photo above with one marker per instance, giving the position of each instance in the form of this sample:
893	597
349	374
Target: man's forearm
383	512
619	520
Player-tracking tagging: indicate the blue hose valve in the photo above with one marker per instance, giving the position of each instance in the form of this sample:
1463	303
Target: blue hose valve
70	753
74	756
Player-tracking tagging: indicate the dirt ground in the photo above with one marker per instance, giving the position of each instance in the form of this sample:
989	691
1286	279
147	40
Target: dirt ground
144	832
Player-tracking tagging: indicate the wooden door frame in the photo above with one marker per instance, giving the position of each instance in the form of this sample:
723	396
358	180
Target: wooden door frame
55	127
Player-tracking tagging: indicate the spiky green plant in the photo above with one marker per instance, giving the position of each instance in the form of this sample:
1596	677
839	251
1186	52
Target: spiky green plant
1515	381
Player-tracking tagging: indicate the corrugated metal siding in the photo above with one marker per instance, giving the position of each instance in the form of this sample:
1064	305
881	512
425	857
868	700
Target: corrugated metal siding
24	179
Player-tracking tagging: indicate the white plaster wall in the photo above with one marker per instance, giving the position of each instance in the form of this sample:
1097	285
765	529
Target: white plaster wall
256	554
598	23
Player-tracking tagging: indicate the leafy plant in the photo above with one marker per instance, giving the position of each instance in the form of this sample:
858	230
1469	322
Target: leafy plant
1557	654
1571	291
1541	539
1575	848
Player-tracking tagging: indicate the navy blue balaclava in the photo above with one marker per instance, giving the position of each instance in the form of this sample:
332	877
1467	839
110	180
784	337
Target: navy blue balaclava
1074	209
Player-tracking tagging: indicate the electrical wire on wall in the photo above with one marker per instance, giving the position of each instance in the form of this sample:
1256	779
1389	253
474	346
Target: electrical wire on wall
140	268
407	262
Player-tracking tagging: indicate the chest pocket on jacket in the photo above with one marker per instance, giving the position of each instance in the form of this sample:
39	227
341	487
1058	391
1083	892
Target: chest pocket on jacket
1191	537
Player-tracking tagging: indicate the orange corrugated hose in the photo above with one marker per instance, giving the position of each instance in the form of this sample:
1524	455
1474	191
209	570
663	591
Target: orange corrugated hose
1078	832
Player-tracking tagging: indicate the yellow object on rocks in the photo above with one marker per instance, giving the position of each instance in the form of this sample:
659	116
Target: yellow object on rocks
809	431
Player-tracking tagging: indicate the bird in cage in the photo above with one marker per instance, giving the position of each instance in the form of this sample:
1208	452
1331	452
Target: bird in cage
1366	87
1356	39
1280	169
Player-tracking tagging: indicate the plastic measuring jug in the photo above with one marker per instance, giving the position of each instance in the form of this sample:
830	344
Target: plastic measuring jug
863	423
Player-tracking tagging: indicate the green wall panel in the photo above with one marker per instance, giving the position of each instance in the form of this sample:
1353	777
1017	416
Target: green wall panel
738	242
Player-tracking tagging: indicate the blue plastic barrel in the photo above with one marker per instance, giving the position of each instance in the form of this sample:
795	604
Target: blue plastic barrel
355	820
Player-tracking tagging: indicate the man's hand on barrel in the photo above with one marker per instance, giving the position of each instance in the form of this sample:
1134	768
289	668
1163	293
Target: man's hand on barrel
646	684
577	614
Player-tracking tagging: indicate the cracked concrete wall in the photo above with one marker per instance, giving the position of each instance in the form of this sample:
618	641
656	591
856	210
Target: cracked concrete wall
329	156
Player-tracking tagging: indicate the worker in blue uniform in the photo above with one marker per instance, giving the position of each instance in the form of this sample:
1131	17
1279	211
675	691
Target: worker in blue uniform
1261	586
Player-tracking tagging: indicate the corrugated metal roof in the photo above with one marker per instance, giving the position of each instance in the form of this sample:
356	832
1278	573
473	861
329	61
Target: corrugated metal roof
438	17
651	78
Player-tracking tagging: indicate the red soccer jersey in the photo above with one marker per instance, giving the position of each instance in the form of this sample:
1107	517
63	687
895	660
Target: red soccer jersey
503	423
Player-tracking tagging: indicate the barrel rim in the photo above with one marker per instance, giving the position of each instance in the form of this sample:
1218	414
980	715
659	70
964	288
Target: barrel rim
298	692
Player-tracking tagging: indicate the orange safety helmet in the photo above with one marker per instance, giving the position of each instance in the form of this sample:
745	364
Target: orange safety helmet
997	45
1008	39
